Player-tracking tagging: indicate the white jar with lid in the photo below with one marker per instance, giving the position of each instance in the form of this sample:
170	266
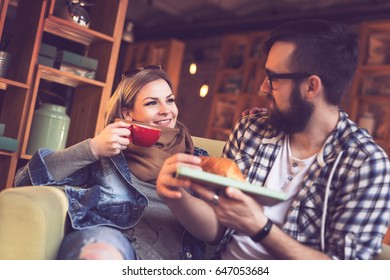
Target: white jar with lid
367	121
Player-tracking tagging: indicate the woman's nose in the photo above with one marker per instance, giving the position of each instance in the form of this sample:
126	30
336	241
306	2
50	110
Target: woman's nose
164	109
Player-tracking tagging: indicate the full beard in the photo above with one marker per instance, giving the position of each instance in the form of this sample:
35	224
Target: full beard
296	118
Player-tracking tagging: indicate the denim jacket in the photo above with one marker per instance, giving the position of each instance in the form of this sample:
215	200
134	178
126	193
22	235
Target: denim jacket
101	194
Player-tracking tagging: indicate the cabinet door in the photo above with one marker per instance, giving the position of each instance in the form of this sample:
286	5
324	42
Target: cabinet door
83	106
33	22
101	41
225	111
20	25
238	80
166	53
370	90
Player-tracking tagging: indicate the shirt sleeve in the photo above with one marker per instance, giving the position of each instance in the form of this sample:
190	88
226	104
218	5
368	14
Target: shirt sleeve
63	163
361	212
232	145
47	167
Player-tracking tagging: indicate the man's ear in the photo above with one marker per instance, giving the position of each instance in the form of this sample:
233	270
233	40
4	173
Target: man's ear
313	87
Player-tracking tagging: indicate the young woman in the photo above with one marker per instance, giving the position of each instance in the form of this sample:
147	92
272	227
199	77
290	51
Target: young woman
114	209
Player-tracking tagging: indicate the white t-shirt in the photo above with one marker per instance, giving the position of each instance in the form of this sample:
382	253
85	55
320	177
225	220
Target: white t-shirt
286	174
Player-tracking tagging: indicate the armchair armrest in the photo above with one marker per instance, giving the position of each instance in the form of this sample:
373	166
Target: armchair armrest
385	254
213	147
32	222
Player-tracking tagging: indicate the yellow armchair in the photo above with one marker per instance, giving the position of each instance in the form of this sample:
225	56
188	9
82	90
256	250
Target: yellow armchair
33	220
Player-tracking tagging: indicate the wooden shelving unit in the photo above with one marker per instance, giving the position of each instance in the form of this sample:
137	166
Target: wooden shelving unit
370	90
32	22
167	53
240	74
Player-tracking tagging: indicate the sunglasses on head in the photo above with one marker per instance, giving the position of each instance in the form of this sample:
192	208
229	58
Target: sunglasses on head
130	73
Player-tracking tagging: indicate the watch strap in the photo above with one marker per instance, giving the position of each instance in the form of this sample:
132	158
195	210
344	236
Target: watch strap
261	234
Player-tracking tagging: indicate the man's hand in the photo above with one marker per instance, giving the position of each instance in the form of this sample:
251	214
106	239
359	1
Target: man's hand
252	111
234	209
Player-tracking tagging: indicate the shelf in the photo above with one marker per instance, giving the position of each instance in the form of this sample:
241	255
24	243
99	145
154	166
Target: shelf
33	22
25	156
375	99
73	32
221	130
224	94
376	69
13	3
378	26
219	133
5	153
236	96
65	78
380	141
231	71
254	60
4	83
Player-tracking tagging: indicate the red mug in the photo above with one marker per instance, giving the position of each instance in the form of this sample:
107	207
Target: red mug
142	134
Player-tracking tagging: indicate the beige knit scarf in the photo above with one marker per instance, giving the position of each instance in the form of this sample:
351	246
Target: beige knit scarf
145	163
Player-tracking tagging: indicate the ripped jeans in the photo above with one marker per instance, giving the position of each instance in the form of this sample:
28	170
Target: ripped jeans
74	242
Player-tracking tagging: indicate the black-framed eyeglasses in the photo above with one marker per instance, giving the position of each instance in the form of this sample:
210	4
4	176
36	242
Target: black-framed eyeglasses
130	73
285	76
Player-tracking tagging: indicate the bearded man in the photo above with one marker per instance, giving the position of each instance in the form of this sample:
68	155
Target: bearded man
336	177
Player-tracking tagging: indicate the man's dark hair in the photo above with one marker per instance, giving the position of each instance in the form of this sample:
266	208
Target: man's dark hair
326	49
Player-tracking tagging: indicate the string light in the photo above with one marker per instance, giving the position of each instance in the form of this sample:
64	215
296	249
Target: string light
197	56
204	90
193	68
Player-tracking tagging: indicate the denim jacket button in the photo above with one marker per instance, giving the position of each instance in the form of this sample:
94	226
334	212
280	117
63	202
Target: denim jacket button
189	255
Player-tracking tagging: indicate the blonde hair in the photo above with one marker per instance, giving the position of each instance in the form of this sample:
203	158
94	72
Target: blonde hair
128	89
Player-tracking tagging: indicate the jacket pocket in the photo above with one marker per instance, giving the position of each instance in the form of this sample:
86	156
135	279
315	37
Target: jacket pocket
123	214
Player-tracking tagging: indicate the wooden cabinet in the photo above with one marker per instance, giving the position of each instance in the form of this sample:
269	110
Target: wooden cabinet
167	53
370	90
32	22
237	84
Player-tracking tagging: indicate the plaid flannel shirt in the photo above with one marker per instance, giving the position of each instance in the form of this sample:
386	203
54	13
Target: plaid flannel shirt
358	210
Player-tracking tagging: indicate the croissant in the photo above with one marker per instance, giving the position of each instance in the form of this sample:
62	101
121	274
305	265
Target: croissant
222	166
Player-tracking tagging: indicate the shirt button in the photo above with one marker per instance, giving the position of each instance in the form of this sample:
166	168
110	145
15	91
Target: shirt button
189	255
294	164
289	178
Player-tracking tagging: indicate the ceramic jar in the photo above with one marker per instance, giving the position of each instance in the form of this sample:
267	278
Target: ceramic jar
49	128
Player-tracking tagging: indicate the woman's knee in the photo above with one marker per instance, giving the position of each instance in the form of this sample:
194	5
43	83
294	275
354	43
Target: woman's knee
100	251
96	243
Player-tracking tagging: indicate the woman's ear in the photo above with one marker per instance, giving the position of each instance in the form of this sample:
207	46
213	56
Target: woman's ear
126	113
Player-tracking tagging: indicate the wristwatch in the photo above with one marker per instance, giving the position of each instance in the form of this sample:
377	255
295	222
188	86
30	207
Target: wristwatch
261	234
